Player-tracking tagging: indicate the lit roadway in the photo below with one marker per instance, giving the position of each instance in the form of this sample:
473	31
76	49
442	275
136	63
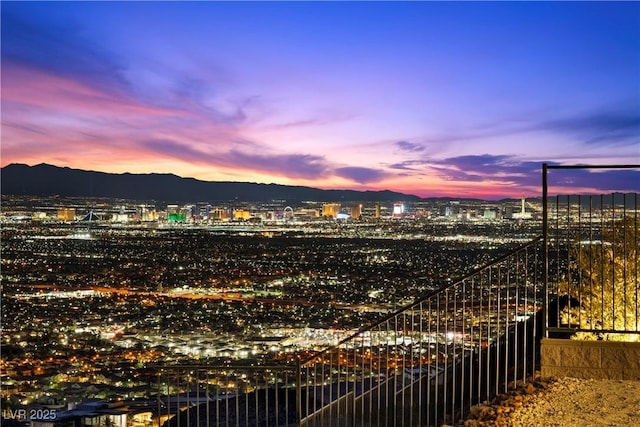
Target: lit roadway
226	296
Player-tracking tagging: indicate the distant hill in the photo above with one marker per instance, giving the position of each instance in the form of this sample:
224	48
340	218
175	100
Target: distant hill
48	180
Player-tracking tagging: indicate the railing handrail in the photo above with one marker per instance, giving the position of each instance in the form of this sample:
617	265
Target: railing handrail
548	166
423	299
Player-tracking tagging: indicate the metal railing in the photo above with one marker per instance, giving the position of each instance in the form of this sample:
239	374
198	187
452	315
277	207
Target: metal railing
592	259
429	362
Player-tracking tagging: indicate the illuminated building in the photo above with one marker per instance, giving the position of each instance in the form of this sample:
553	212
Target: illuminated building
241	214
398	210
205	211
148	214
522	214
67	214
176	217
343	215
307	213
377	215
39	215
331	210
120	217
219	214
91	216
356	211
490	214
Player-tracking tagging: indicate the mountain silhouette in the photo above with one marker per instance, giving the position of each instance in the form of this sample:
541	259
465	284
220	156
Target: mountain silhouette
49	180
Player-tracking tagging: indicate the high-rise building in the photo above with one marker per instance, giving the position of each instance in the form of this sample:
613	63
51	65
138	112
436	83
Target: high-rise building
398	210
66	214
219	214
148	213
331	210
241	214
356	211
489	214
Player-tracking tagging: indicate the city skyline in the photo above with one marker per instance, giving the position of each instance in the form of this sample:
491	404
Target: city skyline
424	98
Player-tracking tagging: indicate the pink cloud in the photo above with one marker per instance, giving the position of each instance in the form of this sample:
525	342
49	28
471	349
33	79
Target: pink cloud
24	85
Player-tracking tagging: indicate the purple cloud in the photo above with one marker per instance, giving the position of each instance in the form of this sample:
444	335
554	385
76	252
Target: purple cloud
361	175
409	146
27	127
602	181
614	126
488	167
291	165
510	170
175	149
410	165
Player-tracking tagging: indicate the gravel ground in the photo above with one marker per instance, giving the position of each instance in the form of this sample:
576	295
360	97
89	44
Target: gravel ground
563	402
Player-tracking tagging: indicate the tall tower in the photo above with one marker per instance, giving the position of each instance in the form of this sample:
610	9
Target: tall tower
356	211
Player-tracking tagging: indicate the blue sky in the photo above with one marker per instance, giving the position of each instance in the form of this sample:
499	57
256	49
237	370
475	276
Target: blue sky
428	98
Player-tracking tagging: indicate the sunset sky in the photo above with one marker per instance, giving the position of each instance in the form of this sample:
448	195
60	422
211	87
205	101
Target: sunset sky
426	98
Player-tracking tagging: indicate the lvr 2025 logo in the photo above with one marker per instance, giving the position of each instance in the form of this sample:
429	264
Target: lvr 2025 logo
27	414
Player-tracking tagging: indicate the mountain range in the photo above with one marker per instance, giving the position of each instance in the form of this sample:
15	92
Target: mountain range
49	180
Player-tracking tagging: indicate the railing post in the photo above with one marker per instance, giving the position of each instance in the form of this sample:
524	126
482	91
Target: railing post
545	248
299	393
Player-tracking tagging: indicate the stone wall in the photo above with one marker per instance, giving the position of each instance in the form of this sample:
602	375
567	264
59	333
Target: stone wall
590	359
